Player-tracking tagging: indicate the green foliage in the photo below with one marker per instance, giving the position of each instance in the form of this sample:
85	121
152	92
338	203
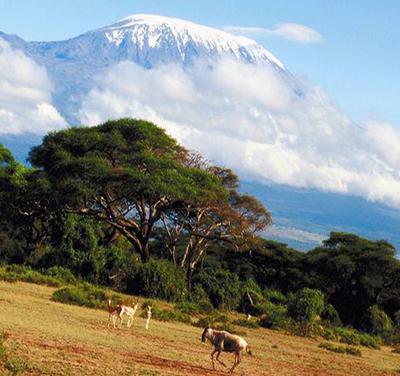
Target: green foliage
160	279
164	314
306	305
13	273
330	315
200	298
85	295
61	273
275	296
252	324
352	337
223	288
192	308
340	349
124	164
352	272
275	317
377	321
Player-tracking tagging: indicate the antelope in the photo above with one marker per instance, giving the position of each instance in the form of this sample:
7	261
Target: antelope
148	317
113	313
130	312
227	342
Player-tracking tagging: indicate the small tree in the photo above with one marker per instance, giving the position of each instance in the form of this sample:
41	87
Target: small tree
306	306
223	287
331	315
377	321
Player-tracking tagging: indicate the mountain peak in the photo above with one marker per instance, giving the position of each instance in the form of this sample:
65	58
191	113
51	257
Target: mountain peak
187	38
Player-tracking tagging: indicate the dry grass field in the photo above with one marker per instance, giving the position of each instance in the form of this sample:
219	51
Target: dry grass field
57	339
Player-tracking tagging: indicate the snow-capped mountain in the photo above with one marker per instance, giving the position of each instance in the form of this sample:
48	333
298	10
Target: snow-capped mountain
148	40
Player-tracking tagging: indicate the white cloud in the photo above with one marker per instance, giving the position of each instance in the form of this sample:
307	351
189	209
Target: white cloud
258	121
291	31
290	233
25	95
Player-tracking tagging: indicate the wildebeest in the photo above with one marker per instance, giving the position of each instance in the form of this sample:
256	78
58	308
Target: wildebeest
227	342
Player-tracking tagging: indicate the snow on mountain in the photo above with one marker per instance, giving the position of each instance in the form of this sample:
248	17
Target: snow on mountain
148	40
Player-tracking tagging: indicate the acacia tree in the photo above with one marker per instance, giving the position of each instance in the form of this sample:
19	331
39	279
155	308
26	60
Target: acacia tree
235	221
126	173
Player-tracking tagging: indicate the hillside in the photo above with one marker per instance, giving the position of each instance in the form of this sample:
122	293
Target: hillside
58	339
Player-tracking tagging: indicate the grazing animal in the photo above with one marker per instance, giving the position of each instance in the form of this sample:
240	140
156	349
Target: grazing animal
113	313
227	342
130	312
148	317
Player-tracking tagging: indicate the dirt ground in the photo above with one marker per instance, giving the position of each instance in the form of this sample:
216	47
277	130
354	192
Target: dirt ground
57	339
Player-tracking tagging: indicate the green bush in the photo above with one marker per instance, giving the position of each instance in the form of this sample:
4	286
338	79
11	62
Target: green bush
329	334
275	296
306	305
223	287
250	296
331	315
246	323
276	318
13	273
62	274
377	321
340	349
189	308
200	298
352	337
160	279
85	295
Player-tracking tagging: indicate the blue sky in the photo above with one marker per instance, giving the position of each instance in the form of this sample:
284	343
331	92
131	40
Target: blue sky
357	63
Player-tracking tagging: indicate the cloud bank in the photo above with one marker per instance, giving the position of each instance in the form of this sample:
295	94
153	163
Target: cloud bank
25	95
256	120
290	31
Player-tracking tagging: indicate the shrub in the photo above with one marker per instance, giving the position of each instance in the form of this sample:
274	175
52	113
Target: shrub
329	334
13	273
200	298
306	305
160	279
246	323
340	349
351	337
250	296
377	321
223	287
189	308
62	274
85	295
276	317
275	296
164	314
331	315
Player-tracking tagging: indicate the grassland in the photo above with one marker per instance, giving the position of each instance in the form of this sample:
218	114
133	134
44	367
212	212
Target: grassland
50	338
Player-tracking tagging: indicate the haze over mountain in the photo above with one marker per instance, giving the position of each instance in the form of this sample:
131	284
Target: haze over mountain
221	94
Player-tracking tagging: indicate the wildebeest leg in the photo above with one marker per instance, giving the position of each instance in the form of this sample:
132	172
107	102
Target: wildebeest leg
212	357
217	357
236	362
